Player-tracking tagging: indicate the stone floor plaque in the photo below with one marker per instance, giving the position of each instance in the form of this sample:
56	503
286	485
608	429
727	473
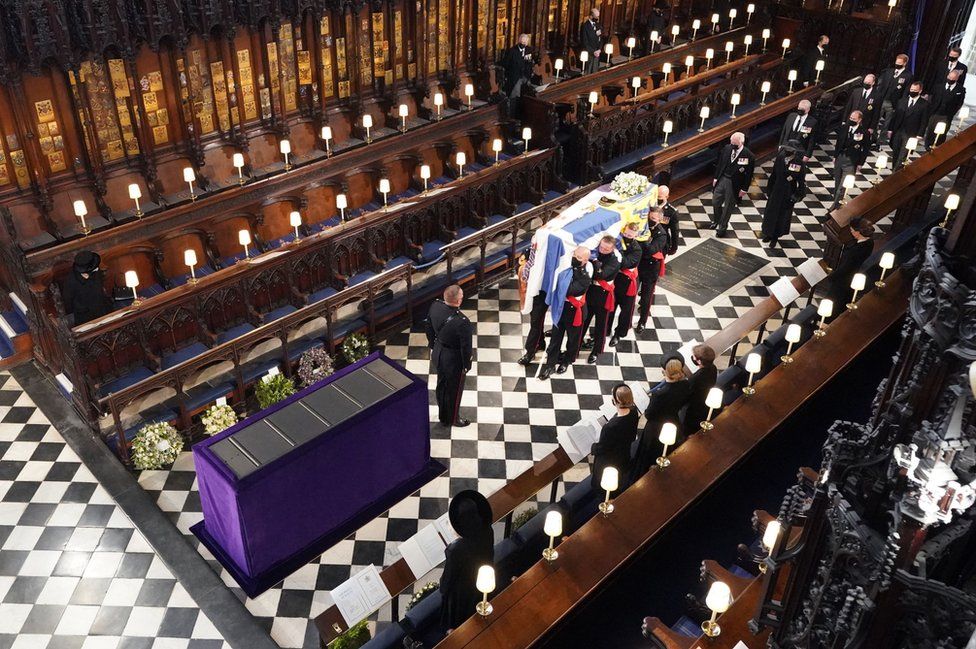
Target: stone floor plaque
708	270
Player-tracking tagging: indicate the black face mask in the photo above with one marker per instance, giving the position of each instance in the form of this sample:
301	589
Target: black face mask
851	122
577	263
899	67
914	94
801	111
953	59
949	81
823	47
867	86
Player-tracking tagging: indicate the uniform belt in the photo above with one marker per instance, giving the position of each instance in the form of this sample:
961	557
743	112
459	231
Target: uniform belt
631	273
578	302
606	286
660	256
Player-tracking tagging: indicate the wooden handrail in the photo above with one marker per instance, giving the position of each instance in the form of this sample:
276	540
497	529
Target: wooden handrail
545	594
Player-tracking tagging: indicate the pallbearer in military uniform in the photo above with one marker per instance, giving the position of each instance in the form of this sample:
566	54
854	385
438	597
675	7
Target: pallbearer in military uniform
625	284
669	219
655	244
449	335
600	298
570	324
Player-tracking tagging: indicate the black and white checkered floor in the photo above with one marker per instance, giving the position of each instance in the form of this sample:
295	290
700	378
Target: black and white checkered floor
516	417
74	572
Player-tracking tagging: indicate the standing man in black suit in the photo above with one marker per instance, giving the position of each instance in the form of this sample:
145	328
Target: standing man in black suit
570	324
850	152
867	100
449	335
947	98
518	66
591	40
819	53
910	119
669	219
893	85
600	302
626	282
733	175
954	63
798	129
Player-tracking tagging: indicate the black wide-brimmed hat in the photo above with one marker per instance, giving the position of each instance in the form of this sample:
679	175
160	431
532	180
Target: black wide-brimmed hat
469	513
87	261
670	357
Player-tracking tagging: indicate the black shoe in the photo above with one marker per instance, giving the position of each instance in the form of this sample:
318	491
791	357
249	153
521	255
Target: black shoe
613	341
639	328
461	422
587	344
721	234
591	359
711	225
772	243
525	360
765	239
545	373
561	369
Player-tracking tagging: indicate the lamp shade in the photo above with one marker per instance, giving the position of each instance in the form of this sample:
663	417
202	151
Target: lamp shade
714	398
689	61
736	99
748	39
963	113
892	3
526	133
190	257
404	111
858	281
558	64
485	581
952	202
793	333
668	126
940	128
750	8
554	524
696	24
912	143
341	202
367	121
733	13
635	83
786	43
244	237
825	309
753	363
384	186
438	99
715	19
131	279
239	158
295	219
729	46
631	42
610	479
655	37
770	534
819	65
765	87
188	175
326	133
285	146
675	30
669	433
468	90
719	597
791	75
705	112
496	145
134	191
594	97
460	158
80	208
887	261
881	162
584	56
425	170
849	181
666	69
608	48
709	54
766	34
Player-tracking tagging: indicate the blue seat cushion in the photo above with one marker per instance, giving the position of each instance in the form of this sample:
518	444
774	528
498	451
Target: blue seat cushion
731	381
465	231
432	250
396	262
186	353
298	347
258	367
204	394
328	223
551	195
180	280
496	218
151	291
425	614
234	332
361	277
280	312
440	180
280	241
321	294
133	376
687	627
391	637
523	207
475	167
343	329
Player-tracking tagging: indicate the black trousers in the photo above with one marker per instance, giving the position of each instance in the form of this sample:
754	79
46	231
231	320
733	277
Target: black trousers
624	311
450	386
647	273
596	298
898	142
723	200
573	335
535	341
843	166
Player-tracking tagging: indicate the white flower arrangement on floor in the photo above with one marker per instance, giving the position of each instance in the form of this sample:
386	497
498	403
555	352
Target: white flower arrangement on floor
629	184
155	446
218	418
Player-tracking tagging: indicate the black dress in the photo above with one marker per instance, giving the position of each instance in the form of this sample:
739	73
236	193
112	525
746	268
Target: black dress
700	383
786	187
665	403
85	298
613	449
459	593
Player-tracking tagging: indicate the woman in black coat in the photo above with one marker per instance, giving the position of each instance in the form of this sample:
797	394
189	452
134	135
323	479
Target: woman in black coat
470	516
616	438
786	187
666	400
84	289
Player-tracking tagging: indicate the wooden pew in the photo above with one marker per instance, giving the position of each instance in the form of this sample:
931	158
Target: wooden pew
527	609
